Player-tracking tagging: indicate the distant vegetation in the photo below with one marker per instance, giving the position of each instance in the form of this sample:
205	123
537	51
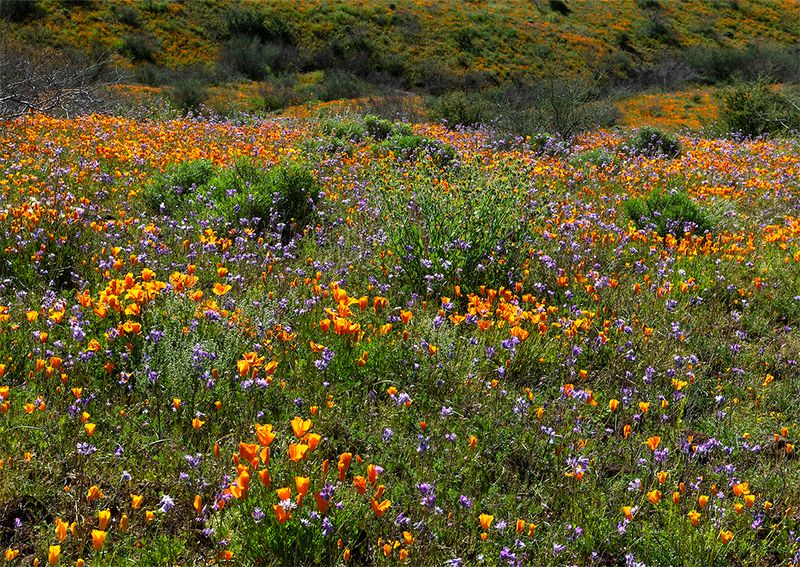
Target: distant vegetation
515	65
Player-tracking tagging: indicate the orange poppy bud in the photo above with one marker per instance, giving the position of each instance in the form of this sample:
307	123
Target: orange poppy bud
53	554
103	517
98	539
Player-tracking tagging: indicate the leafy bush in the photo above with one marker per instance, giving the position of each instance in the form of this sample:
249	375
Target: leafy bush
243	21
561	107
461	108
597	157
753	109
167	192
282	197
380	128
654	143
720	64
279	94
18	10
339	85
140	47
129	16
413	146
189	94
472	237
356	129
669	213
247	57
345	129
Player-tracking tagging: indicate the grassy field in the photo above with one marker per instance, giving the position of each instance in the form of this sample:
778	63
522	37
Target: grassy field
346	340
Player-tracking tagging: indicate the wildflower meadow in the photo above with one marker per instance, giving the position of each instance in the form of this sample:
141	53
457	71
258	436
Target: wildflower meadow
354	341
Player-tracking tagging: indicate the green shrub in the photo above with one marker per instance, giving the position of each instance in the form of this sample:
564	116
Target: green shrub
344	129
413	146
282	197
460	108
597	157
247	57
140	47
472	236
339	85
167	192
669	213
356	129
18	10
654	143
720	64
242	21
279	93
753	109
129	16
189	94
379	128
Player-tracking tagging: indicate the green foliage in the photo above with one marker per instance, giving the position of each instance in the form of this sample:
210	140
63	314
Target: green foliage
753	109
167	192
18	10
356	128
456	236
129	16
140	47
653	142
279	93
461	108
339	84
669	213
345	129
773	63
597	158
46	262
413	147
282	197
244	21
247	193
189	94
247	57
380	128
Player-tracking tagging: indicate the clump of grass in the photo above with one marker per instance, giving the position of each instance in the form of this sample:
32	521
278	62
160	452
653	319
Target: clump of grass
653	142
669	213
247	193
166	193
414	146
756	108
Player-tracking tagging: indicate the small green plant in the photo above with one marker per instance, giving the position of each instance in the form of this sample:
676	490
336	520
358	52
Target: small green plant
129	16
754	109
345	129
167	192
653	142
282	197
669	213
380	128
597	157
189	94
246	56
460	108
413	146
140	47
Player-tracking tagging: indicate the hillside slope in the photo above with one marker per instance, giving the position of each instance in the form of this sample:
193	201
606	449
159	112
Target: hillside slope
437	45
